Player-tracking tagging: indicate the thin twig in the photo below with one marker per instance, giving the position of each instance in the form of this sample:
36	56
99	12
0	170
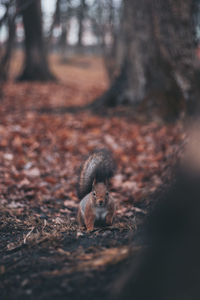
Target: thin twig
28	234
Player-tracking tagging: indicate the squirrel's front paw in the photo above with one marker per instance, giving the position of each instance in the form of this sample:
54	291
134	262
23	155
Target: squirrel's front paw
109	220
90	228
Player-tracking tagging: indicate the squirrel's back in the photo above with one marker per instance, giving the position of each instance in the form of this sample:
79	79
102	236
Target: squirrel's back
98	166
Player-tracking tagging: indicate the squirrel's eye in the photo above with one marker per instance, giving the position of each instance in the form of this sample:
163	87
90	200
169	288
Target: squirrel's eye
107	193
94	193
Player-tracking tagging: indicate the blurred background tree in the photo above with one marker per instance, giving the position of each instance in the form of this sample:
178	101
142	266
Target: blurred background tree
61	18
35	63
70	27
148	47
160	68
81	14
106	19
8	18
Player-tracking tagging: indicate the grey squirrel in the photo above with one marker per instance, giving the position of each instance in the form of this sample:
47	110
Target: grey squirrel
96	205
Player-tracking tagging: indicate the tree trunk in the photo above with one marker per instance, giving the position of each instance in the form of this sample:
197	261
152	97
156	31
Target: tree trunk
55	21
110	50
63	42
35	64
63	37
81	16
158	68
6	57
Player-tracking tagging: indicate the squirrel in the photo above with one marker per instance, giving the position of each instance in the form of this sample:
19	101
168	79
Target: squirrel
97	205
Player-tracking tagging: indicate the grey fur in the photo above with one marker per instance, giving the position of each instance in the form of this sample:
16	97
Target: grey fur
99	166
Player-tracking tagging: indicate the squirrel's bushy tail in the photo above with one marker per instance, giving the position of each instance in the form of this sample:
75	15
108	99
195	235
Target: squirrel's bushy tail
99	166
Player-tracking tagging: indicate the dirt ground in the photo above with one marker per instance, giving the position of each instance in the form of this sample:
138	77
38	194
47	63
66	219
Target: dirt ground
43	253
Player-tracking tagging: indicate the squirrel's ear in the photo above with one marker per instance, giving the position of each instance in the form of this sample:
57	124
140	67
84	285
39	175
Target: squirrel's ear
94	182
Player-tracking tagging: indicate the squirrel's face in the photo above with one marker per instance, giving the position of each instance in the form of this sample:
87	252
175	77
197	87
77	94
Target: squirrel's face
100	194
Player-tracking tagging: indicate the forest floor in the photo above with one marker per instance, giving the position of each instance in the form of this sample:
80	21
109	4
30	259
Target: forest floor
43	254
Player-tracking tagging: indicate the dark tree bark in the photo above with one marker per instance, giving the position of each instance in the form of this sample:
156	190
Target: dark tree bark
81	17
56	21
63	41
63	37
111	51
6	56
159	67
35	64
62	15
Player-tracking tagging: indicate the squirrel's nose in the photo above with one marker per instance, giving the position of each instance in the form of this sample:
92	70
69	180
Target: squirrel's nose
101	203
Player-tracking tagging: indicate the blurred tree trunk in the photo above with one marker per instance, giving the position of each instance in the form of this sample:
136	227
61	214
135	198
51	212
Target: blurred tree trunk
63	37
81	17
6	56
110	51
56	21
106	26
35	64
63	43
159	68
